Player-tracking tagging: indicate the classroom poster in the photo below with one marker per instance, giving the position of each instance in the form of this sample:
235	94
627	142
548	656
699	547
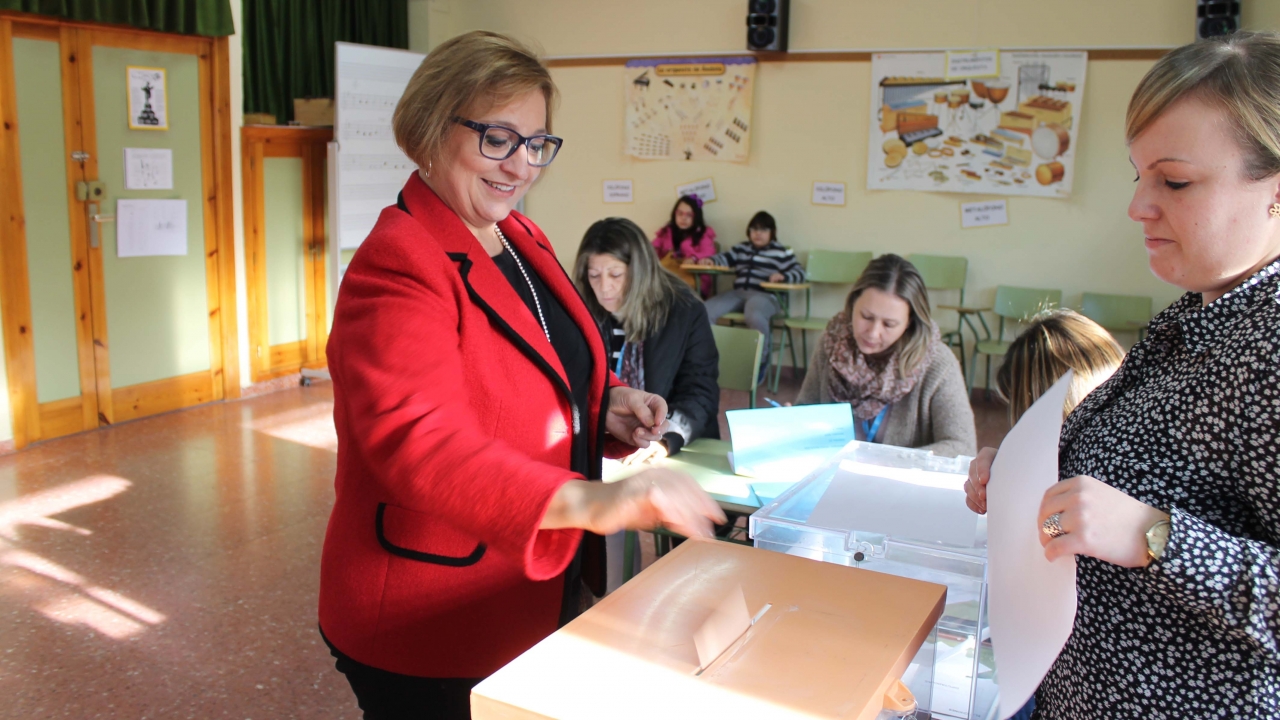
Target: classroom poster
957	122
689	108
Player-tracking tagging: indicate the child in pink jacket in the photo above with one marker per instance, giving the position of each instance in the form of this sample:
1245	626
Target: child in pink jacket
686	238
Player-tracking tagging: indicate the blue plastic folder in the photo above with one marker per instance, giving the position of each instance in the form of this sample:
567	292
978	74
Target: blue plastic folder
778	446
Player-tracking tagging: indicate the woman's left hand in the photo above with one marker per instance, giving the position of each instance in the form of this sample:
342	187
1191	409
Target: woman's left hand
1098	521
635	416
655	452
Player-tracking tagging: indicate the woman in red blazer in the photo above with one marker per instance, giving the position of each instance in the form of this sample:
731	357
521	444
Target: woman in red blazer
472	399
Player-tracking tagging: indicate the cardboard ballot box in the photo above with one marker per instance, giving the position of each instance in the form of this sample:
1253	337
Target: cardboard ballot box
901	511
827	642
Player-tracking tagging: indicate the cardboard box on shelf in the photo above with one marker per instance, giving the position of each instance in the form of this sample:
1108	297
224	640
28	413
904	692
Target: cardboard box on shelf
315	112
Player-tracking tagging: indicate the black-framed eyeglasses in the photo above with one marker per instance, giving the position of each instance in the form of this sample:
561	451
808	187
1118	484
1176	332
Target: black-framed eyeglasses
499	143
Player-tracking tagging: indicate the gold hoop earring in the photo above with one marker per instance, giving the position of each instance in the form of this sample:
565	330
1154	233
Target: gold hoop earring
1275	209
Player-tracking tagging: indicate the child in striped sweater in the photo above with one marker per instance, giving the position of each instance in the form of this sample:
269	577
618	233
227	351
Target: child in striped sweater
761	259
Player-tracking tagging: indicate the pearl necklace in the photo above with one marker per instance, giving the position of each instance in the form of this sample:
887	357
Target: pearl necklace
520	266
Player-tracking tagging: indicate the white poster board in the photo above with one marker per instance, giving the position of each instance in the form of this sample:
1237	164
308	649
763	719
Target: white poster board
1013	132
367	170
371	169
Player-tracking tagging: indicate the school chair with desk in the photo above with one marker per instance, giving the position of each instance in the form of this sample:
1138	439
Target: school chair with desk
1014	304
942	273
1118	313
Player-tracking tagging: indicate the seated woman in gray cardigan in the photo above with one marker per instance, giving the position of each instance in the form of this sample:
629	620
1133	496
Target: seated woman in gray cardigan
883	355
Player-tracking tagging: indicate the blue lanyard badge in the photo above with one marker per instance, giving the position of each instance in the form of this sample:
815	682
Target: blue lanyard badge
871	427
621	354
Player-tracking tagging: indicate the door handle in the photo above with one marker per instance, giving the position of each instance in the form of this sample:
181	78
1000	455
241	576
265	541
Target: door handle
96	219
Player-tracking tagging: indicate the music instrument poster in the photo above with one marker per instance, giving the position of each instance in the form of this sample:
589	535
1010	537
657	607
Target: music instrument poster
1012	130
689	108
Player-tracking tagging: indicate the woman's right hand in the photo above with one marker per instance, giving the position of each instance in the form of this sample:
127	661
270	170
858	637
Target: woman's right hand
641	502
975	488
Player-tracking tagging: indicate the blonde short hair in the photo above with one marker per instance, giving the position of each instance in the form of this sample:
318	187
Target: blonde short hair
1239	73
1054	342
470	73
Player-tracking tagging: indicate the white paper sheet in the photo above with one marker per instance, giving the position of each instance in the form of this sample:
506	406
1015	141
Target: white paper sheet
784	444
148	169
1032	601
727	623
903	503
151	227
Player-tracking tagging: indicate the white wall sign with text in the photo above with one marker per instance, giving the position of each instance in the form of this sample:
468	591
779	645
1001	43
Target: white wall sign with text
827	193
982	214
617	191
972	63
705	189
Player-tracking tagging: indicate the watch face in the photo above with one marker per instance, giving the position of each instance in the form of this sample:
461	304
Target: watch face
1157	538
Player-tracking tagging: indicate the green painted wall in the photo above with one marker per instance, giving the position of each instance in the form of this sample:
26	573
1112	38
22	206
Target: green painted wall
157	307
37	73
286	260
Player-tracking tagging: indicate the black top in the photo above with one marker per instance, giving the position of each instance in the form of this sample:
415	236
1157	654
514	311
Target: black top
681	365
570	346
1188	424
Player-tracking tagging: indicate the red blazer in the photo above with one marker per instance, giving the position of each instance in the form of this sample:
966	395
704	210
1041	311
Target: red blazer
454	425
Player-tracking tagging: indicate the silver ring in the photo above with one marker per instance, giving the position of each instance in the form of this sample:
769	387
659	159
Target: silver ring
1053	526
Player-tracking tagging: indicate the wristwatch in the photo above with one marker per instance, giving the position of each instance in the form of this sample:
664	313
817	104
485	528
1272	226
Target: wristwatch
1157	537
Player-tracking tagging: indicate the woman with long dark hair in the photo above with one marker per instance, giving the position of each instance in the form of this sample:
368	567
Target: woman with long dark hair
657	335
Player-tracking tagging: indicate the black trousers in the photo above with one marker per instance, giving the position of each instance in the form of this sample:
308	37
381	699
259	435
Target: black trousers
384	695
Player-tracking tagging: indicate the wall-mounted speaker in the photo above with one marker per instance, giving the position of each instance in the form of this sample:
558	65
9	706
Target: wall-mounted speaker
767	24
1216	17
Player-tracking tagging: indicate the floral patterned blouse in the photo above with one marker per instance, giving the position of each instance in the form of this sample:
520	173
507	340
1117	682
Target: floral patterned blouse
1189	424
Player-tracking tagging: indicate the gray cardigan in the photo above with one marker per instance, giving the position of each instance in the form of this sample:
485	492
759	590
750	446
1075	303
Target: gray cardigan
935	415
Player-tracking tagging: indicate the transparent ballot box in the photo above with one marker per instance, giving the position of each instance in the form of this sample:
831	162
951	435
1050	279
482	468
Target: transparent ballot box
896	511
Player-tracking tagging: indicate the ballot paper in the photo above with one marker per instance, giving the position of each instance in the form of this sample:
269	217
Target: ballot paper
903	503
782	445
1032	601
726	624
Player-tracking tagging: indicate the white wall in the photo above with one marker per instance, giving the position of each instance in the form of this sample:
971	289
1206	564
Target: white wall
6	419
810	123
237	120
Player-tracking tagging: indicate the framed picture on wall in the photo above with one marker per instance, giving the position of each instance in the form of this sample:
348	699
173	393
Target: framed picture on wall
148	98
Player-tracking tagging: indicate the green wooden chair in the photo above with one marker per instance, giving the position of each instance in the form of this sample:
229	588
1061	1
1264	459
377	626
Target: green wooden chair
1015	304
829	267
1118	313
943	273
739	350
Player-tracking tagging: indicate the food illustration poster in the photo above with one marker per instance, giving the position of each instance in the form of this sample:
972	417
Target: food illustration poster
689	108
1011	133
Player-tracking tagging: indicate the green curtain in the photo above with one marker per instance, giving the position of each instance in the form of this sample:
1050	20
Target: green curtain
288	45
211	18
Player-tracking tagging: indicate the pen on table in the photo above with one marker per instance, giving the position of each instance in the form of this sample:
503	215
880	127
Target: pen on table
773	402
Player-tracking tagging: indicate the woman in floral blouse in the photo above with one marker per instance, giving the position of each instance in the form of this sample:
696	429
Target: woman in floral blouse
1170	471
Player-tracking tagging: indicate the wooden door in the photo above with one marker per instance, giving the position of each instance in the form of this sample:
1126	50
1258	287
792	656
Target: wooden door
284	191
90	337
